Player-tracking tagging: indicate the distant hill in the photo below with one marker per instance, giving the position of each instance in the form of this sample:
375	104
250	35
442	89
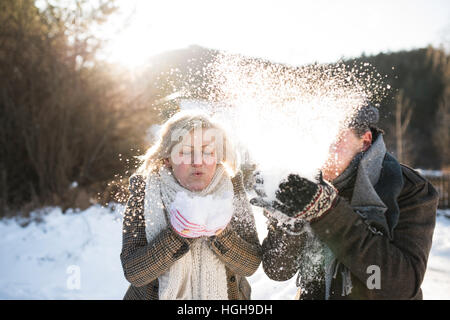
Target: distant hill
421	75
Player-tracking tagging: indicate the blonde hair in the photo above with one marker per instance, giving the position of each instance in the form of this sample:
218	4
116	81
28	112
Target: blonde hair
177	126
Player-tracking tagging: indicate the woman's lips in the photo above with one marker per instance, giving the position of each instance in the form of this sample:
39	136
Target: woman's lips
197	174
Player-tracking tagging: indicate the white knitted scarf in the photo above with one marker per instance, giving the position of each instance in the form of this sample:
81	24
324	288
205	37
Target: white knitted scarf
199	274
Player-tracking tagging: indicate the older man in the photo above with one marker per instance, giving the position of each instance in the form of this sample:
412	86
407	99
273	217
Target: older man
365	235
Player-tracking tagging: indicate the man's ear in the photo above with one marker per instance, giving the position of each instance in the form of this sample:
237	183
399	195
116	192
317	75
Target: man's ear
167	163
367	140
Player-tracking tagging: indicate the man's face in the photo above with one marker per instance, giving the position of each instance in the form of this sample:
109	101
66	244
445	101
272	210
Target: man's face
346	147
194	161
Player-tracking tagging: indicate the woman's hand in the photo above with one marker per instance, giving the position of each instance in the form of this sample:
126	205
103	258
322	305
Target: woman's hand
188	229
184	227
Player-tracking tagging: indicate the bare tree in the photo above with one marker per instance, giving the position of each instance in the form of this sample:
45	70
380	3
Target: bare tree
442	132
62	120
403	113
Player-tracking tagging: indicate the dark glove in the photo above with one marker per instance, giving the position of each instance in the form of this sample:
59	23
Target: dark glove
298	197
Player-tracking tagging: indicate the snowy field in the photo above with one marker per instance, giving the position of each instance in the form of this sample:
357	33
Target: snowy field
76	256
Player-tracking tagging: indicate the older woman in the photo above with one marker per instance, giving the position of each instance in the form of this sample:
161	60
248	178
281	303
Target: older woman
188	229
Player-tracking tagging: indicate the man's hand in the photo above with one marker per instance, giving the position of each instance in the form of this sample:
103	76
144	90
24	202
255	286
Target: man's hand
298	197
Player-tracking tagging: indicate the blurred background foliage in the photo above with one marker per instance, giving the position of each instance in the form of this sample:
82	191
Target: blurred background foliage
71	124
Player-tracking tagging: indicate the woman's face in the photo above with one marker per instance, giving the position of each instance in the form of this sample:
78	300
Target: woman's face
194	161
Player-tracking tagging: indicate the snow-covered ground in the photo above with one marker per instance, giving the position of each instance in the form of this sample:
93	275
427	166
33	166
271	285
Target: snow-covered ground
76	256
436	284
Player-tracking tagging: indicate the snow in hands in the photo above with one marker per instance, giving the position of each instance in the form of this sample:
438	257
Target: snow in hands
201	216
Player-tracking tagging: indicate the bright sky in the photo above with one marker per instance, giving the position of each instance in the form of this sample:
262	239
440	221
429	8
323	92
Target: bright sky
294	32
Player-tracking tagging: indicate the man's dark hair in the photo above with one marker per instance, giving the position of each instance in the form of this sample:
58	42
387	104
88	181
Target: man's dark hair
364	119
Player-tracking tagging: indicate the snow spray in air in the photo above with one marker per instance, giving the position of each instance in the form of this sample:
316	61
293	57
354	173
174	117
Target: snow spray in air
287	118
